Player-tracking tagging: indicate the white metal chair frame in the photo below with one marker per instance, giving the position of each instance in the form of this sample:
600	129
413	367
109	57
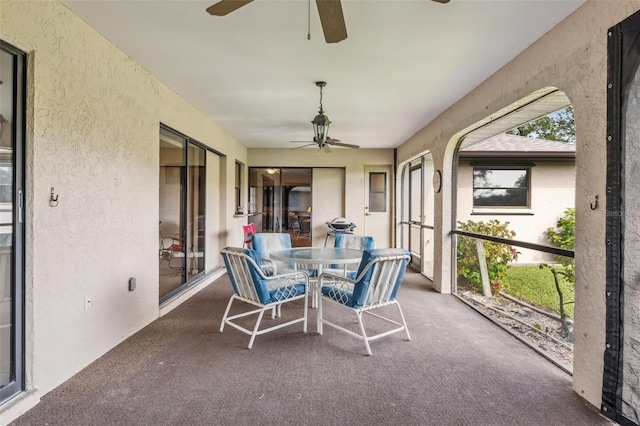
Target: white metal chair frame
386	270
240	267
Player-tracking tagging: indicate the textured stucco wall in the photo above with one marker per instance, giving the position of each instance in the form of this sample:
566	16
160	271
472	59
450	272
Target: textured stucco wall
552	191
328	201
571	57
93	125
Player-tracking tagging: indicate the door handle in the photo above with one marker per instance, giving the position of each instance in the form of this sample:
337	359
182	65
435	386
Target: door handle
367	214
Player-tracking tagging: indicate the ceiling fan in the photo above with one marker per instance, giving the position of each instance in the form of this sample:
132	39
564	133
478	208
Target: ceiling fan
330	11
326	145
321	129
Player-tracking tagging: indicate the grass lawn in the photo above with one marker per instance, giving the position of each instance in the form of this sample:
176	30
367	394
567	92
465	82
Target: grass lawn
535	285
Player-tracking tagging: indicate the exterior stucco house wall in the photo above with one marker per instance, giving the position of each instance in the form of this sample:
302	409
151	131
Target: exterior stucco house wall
549	187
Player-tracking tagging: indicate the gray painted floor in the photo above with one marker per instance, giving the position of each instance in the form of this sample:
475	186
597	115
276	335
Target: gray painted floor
458	369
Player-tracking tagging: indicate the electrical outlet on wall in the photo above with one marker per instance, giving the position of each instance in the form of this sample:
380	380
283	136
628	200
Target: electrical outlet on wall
87	302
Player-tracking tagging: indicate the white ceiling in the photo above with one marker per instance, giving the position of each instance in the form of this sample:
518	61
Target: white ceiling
253	71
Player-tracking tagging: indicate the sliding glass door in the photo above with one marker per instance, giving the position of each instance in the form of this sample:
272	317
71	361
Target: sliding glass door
280	201
12	96
182	184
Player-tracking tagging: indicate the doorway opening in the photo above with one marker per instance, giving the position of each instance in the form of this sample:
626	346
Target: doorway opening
417	210
515	224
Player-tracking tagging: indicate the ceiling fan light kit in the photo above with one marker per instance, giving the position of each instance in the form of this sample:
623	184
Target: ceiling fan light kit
321	129
321	122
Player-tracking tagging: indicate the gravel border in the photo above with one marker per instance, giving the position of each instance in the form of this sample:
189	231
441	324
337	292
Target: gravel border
539	330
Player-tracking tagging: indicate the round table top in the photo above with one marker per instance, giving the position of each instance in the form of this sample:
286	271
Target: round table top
317	255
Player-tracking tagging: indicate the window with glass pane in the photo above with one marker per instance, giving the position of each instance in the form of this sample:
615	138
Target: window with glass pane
377	192
500	187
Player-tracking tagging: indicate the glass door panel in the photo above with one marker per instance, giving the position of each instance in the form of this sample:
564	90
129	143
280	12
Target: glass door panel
12	79
182	198
280	201
196	210
416	225
172	214
428	221
264	196
296	205
415	212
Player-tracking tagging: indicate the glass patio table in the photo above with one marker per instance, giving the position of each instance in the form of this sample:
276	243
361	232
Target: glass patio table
318	256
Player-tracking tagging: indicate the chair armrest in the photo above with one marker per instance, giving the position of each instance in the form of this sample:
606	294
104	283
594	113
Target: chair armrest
288	280
334	276
290	276
269	267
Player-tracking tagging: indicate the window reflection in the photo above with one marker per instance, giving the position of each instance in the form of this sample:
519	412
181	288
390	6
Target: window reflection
500	187
280	201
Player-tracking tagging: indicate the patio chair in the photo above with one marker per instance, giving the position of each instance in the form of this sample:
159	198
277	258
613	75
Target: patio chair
305	228
357	242
267	293
377	283
172	248
264	243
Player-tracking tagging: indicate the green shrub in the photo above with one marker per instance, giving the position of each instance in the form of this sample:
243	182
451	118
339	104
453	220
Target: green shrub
563	235
497	255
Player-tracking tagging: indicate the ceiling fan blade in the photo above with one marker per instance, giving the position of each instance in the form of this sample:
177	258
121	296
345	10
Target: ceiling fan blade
302	141
332	20
346	145
326	148
304	146
225	7
442	1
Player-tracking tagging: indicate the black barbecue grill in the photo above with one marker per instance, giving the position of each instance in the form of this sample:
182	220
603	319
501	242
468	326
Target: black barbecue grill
339	225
